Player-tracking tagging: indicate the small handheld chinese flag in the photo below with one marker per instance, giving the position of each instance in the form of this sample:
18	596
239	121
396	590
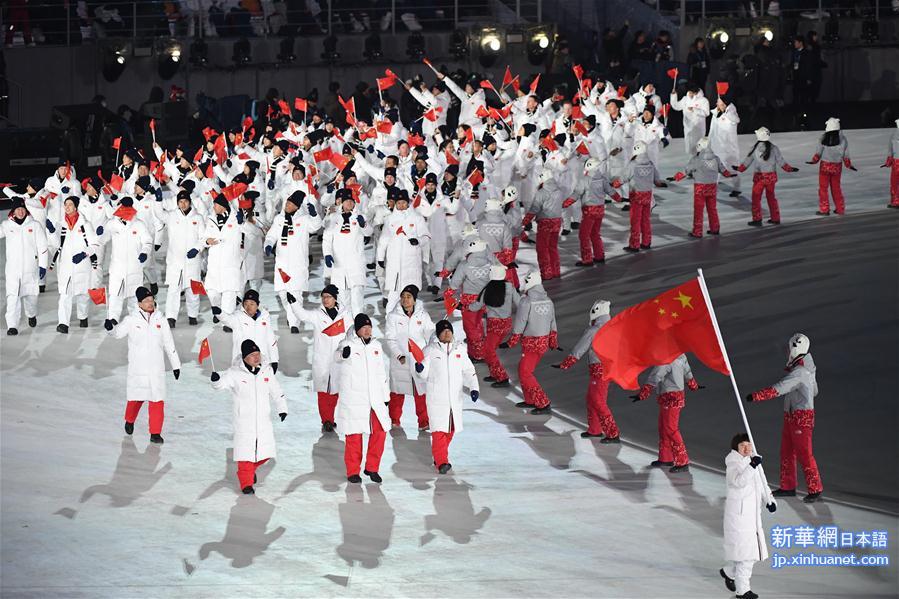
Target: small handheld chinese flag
285	108
433	114
284	276
205	351
582	149
672	73
415	140
450	159
335	328
339	160
482	112
235	190
416	352
578	71
116	182
485	84
98	295
322	155
475	177
622	90
300	104
384	126
153	129
385	83
507	77
117	143
549	143
721	87
535	83
656	332
197	288
125	212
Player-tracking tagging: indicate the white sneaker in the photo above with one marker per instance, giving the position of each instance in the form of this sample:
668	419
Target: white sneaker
410	21
386	20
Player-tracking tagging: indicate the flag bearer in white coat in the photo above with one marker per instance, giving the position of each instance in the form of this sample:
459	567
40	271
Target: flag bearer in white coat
330	323
252	321
744	535
362	407
290	234
344	250
149	339
77	245
223	276
254	388
130	245
182	263
26	264
409	323
446	369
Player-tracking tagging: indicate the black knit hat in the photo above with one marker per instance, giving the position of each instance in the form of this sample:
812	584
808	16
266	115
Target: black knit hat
222	201
443	325
412	290
248	347
296	198
345	193
251	294
142	293
360	321
330	290
143	182
73	199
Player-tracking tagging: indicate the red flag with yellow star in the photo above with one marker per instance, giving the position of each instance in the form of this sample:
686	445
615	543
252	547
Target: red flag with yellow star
656	332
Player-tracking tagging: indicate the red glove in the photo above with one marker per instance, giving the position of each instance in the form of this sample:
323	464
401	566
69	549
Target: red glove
568	362
765	394
645	392
528	219
568	202
616	183
741	168
553	339
728	174
848	164
679	176
814	159
450	292
790	169
890	161
514	339
616	196
692	385
444	273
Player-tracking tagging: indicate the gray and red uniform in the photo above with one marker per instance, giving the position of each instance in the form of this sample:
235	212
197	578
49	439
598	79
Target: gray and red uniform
499	325
832	159
764	177
705	167
670	381
494	230
535	327
591	190
599	416
547	209
469	278
798	388
893	163
641	176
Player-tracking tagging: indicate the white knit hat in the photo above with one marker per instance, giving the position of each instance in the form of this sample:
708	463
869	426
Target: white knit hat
763	134
832	124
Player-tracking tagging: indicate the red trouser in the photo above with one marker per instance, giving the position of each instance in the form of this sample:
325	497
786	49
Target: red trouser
326	404
705	195
599	416
641	202
671	444
440	447
764	182
829	176
796	444
473	325
246	472
497	330
589	233
894	183
395	407
548	247
532	349
352	449
157	414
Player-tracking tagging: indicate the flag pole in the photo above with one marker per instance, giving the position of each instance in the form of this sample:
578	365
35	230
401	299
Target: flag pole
733	380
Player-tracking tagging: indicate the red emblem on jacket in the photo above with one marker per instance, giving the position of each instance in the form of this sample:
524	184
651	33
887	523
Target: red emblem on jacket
265	379
159	326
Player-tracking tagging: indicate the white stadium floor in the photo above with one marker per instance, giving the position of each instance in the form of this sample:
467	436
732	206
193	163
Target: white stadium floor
529	509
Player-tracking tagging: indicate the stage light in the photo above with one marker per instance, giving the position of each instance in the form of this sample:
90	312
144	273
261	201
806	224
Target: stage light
459	44
114	61
330	46
415	46
373	49
718	43
241	51
286	54
538	48
199	53
491	47
766	33
870	31
168	56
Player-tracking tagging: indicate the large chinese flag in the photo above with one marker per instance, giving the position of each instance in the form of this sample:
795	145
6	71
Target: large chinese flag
656	332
